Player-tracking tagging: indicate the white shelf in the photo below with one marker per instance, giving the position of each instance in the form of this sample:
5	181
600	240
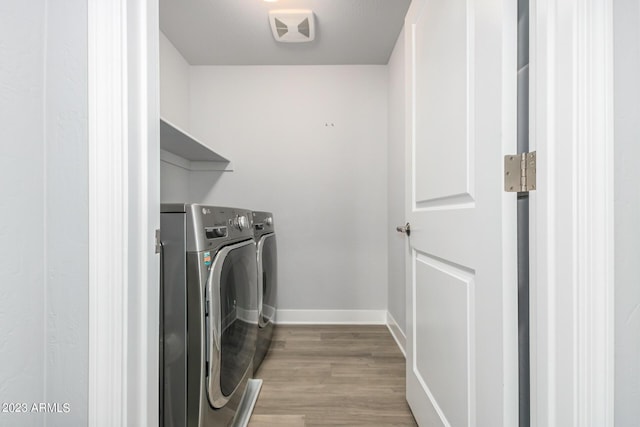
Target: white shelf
183	150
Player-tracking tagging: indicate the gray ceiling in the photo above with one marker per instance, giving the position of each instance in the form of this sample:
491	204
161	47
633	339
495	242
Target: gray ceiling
237	32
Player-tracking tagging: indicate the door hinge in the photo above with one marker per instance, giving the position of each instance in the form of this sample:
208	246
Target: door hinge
520	172
158	241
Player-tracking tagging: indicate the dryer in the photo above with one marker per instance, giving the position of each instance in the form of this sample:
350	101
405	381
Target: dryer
209	315
267	258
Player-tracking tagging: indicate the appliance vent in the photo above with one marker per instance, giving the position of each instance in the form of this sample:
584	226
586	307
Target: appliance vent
292	25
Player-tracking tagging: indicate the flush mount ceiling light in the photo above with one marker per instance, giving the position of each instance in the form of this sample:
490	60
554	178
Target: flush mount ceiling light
292	25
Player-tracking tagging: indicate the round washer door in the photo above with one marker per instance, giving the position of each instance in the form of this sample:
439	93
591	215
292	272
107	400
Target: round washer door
267	278
232	319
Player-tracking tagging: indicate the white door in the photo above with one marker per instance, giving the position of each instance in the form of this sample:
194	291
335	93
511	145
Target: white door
462	281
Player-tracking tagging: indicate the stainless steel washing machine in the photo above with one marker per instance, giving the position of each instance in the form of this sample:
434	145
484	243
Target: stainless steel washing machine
267	256
209	314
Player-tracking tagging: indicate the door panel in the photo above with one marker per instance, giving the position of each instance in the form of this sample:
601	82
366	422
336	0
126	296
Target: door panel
442	354
442	97
461	259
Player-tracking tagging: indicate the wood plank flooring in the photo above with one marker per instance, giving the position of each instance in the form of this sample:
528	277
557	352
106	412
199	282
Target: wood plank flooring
332	376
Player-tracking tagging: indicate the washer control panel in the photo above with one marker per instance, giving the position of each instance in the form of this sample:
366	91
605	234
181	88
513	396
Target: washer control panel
241	222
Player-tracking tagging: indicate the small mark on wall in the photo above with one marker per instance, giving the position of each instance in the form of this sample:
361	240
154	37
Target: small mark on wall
329	125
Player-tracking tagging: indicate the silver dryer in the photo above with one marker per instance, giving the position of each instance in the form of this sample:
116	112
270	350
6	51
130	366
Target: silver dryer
267	258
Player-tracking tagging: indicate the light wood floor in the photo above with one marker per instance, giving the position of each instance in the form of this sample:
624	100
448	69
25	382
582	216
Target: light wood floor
332	376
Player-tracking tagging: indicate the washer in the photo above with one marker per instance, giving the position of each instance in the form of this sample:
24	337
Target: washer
209	320
267	256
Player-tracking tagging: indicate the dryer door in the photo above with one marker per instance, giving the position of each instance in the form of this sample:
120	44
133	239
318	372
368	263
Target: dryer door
231	319
267	278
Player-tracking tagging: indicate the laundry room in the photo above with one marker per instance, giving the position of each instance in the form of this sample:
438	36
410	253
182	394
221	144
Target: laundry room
291	213
306	142
302	131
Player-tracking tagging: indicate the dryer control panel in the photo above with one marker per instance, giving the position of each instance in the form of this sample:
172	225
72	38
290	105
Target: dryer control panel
262	223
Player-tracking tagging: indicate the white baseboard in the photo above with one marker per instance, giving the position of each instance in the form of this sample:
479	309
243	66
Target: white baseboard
331	317
397	333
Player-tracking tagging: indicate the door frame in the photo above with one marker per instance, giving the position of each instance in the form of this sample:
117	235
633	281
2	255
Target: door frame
124	205
571	213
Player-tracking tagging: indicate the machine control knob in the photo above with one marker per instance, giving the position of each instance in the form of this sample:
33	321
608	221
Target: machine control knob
269	221
241	222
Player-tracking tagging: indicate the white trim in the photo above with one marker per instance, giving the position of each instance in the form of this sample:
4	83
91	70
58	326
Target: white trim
331	317
124	162
572	213
594	246
144	212
397	334
108	212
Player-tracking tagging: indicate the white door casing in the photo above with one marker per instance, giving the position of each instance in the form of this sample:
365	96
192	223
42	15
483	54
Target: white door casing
461	261
124	205
571	213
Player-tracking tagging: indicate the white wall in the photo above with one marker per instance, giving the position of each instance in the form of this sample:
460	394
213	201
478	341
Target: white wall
627	211
174	183
395	184
43	217
309	144
67	210
174	85
174	106
22	208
